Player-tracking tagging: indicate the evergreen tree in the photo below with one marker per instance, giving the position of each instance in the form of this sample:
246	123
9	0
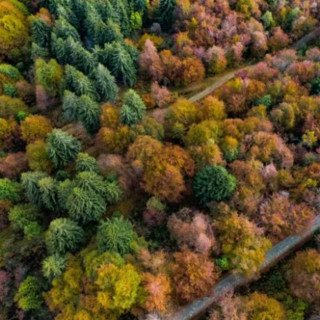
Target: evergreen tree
91	182
105	84
113	192
82	59
62	148
133	108
49	193
53	266
63	29
89	113
78	83
213	184
30	184
63	236
84	206
70	106
165	13
121	64
41	32
87	163
115	235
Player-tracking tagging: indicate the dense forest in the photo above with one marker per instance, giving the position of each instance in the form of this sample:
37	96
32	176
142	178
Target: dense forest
122	199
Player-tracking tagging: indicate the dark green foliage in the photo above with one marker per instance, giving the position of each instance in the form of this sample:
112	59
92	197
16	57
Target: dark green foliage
265	100
84	162
41	32
292	16
115	235
63	235
62	148
165	13
63	29
10	90
105	84
70	106
82	109
9	190
78	83
82	59
139	5
23	214
30	184
64	189
119	62
85	206
49	193
53	266
213	184
89	113
133	108
38	52
29	295
315	86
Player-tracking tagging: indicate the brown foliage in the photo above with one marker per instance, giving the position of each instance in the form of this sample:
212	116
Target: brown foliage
13	164
193	275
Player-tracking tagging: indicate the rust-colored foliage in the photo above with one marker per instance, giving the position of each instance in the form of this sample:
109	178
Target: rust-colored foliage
13	164
158	289
193	275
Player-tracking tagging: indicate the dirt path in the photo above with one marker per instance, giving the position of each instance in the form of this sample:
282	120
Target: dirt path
159	114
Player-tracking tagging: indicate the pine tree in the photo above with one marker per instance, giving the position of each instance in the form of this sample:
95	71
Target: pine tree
121	64
49	193
84	206
78	83
30	184
85	162
41	32
165	13
115	235
89	113
62	148
133	108
63	236
63	29
70	106
53	266
105	84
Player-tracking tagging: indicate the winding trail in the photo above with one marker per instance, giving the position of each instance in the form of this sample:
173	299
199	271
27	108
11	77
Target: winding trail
277	252
159	114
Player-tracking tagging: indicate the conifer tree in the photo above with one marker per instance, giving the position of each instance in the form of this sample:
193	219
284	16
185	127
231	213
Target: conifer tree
105	84
165	13
63	236
133	108
62	148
